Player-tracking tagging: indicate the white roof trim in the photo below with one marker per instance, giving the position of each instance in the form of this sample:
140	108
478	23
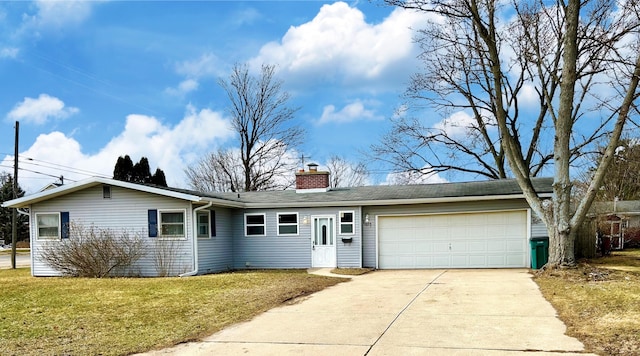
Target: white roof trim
86	183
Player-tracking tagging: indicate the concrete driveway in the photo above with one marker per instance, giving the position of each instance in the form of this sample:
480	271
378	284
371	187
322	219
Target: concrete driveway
417	312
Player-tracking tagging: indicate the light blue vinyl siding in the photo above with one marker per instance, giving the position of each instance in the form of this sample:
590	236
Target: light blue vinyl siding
273	251
126	210
538	228
215	253
369	230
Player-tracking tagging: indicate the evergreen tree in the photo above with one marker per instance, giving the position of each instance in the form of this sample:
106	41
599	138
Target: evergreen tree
140	172
159	178
6	193
123	169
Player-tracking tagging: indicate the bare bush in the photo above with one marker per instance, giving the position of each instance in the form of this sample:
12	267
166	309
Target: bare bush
93	252
164	256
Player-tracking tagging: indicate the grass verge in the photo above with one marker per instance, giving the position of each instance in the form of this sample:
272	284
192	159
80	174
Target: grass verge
351	271
599	301
119	316
18	252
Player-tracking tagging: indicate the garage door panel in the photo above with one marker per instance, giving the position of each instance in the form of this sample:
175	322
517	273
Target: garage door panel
464	240
515	246
478	246
440	246
495	245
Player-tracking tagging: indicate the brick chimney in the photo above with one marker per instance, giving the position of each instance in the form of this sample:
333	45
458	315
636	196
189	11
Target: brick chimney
312	181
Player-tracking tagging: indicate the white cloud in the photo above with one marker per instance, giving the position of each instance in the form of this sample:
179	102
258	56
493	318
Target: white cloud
208	65
246	16
338	45
528	97
9	52
186	86
351	112
169	148
458	125
403	178
58	14
40	110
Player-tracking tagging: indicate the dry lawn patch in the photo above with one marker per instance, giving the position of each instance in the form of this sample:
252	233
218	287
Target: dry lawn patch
599	301
119	316
351	271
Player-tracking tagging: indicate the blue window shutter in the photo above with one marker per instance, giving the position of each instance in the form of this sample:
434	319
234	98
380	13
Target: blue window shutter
64	221
153	223
212	223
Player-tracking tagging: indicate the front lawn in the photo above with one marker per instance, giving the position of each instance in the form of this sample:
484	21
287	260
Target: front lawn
119	316
599	301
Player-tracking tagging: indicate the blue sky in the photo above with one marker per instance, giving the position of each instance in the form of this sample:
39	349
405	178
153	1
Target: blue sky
90	81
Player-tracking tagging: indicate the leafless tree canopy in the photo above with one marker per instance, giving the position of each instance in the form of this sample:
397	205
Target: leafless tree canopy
580	58
263	120
346	174
622	180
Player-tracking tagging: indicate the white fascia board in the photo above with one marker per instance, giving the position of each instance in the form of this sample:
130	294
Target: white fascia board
388	201
90	182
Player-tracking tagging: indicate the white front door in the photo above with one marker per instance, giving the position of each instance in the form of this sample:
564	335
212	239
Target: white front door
323	242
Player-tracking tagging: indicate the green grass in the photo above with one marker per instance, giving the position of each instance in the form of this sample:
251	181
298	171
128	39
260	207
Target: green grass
599	301
118	316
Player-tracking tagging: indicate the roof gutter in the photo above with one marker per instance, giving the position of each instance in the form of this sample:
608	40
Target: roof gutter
195	240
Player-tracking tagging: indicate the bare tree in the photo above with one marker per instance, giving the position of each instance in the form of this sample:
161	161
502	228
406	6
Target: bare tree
345	173
581	59
218	171
262	118
622	180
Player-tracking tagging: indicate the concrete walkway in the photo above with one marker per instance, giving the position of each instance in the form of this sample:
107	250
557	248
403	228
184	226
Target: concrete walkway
418	312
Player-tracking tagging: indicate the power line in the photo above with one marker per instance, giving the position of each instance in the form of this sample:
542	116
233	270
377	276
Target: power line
62	167
45	164
36	172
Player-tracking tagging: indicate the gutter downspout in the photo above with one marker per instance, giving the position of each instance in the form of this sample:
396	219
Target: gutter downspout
195	240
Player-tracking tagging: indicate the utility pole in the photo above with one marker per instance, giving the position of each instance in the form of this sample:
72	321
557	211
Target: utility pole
14	222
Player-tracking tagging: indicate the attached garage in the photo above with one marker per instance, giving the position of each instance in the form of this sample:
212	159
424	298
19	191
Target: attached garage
495	239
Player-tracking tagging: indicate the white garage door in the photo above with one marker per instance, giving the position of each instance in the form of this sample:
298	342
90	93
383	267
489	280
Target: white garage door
473	240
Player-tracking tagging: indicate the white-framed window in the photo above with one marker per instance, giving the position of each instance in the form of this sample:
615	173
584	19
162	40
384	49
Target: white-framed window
347	223
106	192
254	224
172	223
204	219
48	226
287	224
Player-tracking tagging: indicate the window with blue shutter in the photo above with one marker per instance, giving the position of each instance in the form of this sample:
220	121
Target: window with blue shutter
64	224
153	223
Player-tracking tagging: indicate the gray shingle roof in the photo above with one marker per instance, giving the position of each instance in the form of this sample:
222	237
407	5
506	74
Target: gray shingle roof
382	194
357	196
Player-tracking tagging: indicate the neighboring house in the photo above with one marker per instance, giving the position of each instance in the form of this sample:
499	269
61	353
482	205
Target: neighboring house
453	225
619	220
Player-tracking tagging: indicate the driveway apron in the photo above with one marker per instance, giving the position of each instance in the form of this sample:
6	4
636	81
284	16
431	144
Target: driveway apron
408	312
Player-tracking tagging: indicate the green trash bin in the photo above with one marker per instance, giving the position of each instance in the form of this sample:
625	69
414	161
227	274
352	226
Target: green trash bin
539	251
